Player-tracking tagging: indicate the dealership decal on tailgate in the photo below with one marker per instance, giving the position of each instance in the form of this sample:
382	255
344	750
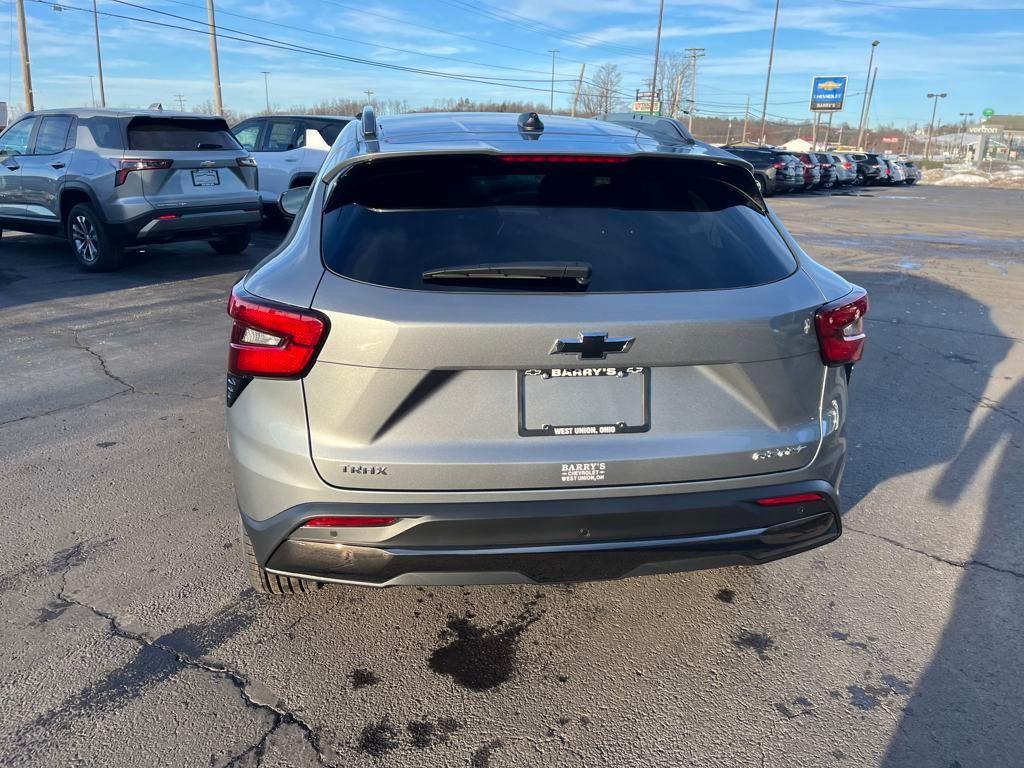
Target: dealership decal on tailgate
587	472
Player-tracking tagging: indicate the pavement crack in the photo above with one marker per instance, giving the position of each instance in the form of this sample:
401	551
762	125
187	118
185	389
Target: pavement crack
938	558
282	716
102	361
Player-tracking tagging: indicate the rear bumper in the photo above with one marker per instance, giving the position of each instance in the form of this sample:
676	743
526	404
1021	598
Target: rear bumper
188	224
547	541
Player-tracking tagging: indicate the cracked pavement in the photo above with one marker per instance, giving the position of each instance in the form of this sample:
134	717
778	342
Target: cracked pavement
130	637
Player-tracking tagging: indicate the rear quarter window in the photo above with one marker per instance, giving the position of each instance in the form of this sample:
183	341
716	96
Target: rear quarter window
180	134
643	225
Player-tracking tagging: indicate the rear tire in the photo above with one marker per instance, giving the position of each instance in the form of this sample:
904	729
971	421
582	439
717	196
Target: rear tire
270	583
232	243
92	242
761	188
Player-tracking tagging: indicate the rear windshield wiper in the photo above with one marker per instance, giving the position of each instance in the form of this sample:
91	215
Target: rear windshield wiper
208	145
515	270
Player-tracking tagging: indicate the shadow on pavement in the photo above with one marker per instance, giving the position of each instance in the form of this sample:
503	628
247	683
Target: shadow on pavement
965	707
34	268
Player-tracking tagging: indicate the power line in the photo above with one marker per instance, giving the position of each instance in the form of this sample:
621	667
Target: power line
268	42
927	7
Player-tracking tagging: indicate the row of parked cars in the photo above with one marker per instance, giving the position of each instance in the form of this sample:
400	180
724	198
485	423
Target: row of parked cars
111	179
777	170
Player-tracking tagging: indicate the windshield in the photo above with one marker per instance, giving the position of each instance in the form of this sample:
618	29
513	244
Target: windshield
643	226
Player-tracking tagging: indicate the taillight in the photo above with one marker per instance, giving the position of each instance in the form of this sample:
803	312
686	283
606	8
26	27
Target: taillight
247	162
127	166
840	327
779	165
349	521
848	166
271	339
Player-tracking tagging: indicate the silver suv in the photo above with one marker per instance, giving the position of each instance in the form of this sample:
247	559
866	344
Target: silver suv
107	179
495	349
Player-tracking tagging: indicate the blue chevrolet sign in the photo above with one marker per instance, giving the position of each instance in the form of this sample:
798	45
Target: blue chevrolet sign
827	93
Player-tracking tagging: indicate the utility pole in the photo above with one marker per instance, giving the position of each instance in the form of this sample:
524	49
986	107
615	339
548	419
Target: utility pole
746	118
579	87
814	131
678	93
931	127
839	140
828	131
768	79
728	133
657	53
180	98
266	87
695	53
211	21
92	91
369	96
26	66
553	52
864	103
99	58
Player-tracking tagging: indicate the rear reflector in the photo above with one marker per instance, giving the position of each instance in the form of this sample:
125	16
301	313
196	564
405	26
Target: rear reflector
349	521
563	159
796	498
840	327
271	339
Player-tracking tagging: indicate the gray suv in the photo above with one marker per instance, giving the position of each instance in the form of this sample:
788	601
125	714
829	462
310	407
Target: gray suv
500	349
107	179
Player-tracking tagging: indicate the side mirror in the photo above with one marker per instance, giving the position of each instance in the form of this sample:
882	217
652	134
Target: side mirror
290	202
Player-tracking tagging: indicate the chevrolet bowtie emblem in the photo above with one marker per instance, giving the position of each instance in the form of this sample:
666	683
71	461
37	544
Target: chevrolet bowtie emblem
592	346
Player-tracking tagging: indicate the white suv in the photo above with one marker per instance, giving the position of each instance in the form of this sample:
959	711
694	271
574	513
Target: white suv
289	150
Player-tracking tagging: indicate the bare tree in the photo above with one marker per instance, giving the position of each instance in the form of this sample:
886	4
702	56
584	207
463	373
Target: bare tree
603	93
672	82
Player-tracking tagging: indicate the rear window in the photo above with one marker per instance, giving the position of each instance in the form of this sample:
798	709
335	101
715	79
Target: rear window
180	134
105	132
642	225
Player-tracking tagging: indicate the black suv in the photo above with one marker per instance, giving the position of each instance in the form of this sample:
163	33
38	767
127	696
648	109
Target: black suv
870	168
774	170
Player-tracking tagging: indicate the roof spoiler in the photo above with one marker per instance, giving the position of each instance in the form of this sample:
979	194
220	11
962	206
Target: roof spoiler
368	129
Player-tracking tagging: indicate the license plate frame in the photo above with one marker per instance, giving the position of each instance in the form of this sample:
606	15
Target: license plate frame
603	427
205	177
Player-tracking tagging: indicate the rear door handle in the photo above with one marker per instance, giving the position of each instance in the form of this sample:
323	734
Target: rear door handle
58	164
291	159
12	167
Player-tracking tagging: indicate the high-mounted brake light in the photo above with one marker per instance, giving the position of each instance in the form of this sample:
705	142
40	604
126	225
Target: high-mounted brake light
840	327
349	521
127	166
271	339
796	498
608	159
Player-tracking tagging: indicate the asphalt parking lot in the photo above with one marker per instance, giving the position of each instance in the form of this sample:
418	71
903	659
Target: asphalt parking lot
130	637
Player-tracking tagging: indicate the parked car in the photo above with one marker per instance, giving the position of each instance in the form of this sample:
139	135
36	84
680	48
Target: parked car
812	170
870	168
895	174
289	150
845	170
480	357
829	173
774	170
106	179
912	174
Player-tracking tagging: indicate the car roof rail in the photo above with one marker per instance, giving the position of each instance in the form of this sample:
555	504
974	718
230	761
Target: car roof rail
368	129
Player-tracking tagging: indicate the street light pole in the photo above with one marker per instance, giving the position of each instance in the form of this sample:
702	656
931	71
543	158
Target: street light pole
266	87
99	58
931	127
553	53
657	53
768	80
963	132
864	103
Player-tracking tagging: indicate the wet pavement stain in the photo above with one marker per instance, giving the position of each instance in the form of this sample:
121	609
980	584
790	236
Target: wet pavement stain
362	678
106	444
758	642
426	734
725	596
481	658
482	756
377	739
53	610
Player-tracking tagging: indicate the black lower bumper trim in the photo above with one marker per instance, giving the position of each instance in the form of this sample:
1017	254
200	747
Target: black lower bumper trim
388	566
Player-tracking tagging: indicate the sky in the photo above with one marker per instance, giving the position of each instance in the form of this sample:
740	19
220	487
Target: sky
971	49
